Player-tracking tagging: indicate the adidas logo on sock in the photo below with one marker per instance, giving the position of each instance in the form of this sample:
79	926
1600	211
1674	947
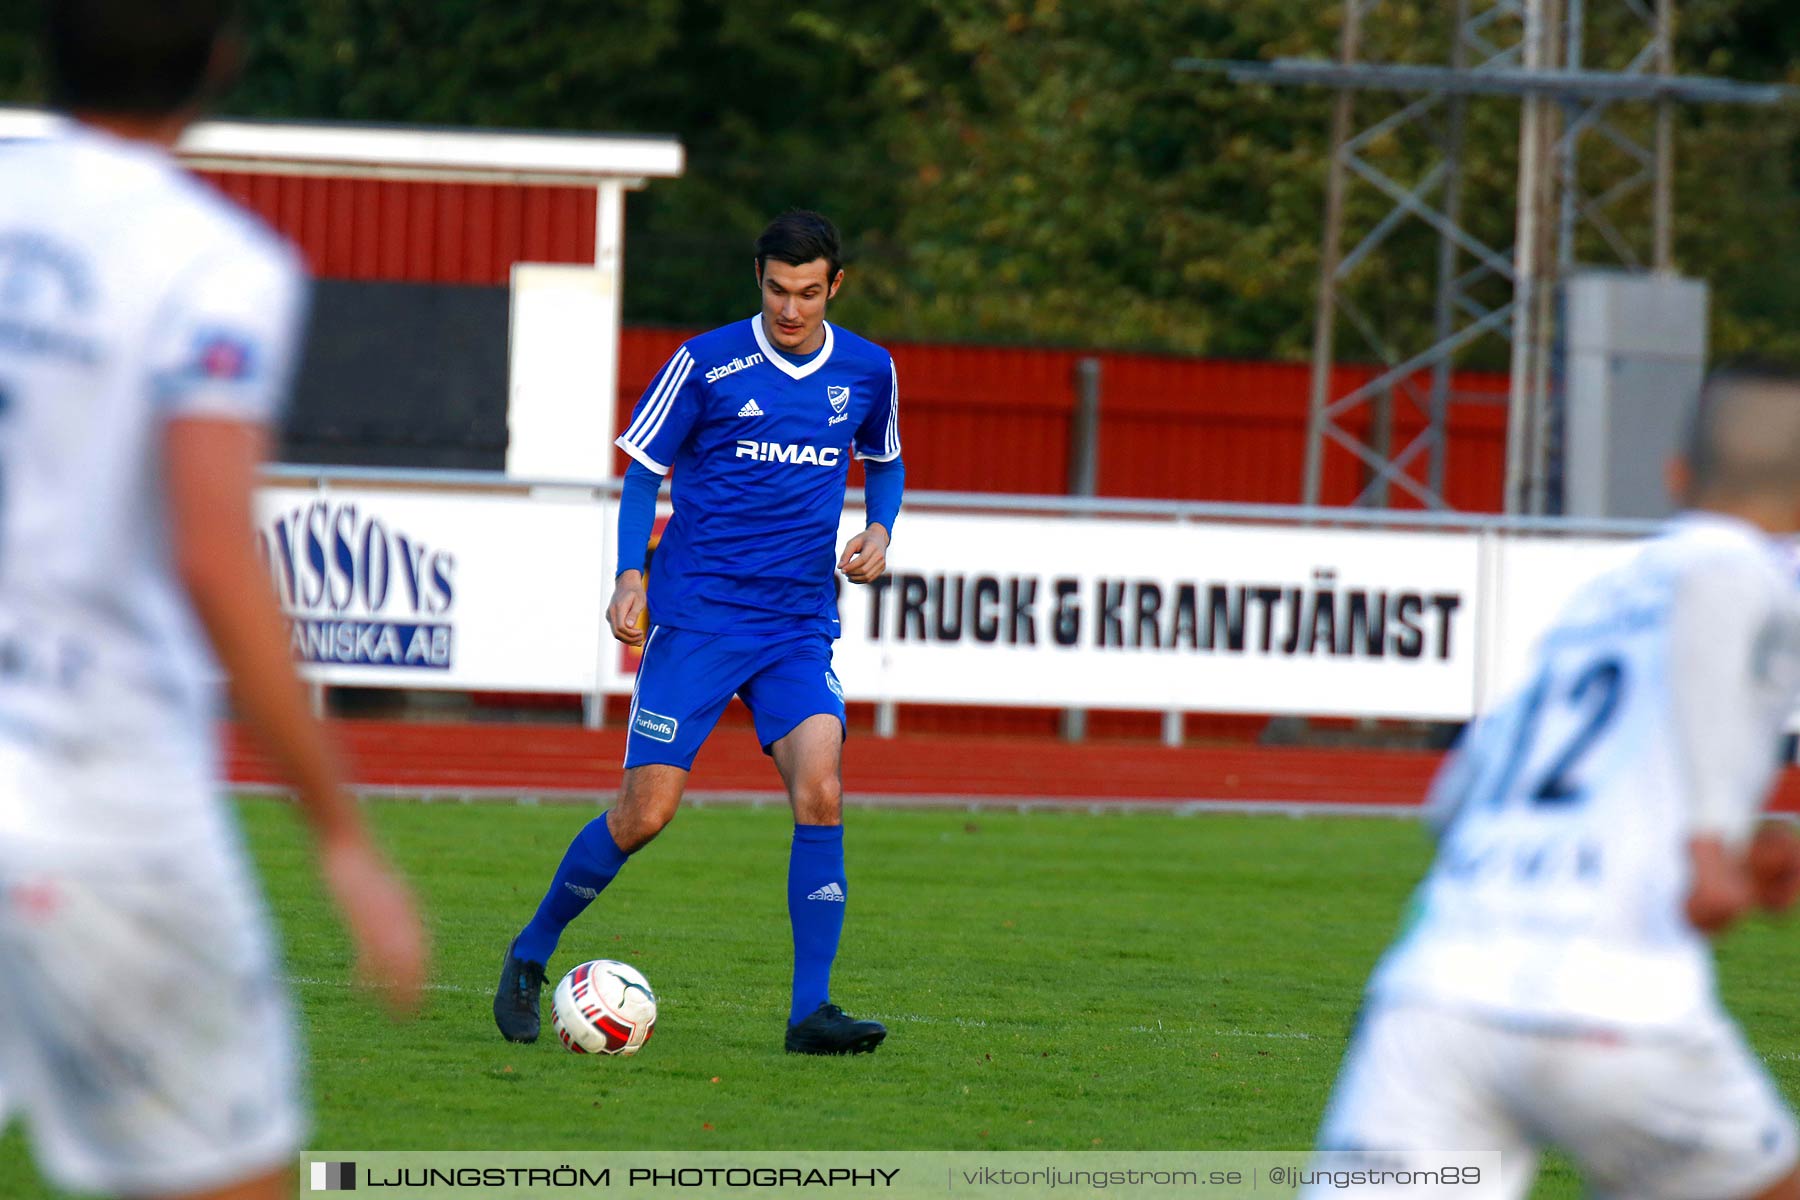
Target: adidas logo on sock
750	410
830	891
586	893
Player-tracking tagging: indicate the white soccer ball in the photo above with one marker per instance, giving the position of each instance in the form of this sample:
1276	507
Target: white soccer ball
604	1007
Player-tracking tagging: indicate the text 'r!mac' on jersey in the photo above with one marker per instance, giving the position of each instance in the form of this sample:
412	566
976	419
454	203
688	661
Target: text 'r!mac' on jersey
759	447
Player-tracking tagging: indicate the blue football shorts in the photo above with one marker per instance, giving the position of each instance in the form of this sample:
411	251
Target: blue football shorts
686	678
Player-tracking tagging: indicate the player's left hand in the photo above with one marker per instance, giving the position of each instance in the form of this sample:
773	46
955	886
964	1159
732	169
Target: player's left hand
383	922
865	557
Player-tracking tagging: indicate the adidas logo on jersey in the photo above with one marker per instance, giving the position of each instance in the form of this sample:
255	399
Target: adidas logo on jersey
750	410
830	891
827	456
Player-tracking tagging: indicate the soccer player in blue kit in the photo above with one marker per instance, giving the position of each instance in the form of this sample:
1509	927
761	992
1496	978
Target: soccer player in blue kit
758	421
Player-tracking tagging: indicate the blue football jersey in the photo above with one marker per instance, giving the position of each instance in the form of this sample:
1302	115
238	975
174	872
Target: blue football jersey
760	448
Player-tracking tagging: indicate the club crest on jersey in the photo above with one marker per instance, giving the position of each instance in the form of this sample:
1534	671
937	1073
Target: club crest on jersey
223	356
839	397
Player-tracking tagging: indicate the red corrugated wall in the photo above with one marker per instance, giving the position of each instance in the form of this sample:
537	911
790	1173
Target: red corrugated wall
985	419
975	418
420	232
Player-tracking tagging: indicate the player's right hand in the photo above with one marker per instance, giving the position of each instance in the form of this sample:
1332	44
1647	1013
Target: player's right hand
383	922
629	609
1719	892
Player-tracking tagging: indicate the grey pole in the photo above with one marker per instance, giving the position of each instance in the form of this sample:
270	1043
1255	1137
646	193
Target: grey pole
1381	441
1330	255
1569	153
1444	316
1544	289
1528	266
1084	479
1663	197
1084	430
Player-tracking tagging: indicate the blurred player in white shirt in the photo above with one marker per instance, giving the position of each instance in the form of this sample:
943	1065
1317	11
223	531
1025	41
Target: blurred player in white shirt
147	332
1554	984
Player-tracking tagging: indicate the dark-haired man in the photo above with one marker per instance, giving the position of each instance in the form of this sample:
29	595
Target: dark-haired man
146	331
757	422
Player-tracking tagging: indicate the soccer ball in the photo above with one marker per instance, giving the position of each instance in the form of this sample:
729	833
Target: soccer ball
604	1007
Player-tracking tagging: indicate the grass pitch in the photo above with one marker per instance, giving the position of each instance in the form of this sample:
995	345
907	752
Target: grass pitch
1052	980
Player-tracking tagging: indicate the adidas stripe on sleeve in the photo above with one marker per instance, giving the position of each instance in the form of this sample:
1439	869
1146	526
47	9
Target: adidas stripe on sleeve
664	414
878	438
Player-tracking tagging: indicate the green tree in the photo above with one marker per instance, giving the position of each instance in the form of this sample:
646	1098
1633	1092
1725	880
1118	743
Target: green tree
1019	170
1064	184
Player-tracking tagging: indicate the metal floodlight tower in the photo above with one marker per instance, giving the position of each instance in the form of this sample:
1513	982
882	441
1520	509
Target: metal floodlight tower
1532	51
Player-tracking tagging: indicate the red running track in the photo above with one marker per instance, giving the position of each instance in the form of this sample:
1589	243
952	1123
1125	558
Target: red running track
550	759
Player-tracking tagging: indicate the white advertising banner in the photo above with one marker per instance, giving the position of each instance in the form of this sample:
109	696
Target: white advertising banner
1099	613
489	591
459	591
1534	577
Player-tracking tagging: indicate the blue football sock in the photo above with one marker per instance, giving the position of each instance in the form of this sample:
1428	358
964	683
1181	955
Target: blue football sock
816	908
592	860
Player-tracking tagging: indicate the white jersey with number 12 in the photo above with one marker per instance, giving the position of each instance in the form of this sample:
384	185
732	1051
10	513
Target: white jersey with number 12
1557	896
